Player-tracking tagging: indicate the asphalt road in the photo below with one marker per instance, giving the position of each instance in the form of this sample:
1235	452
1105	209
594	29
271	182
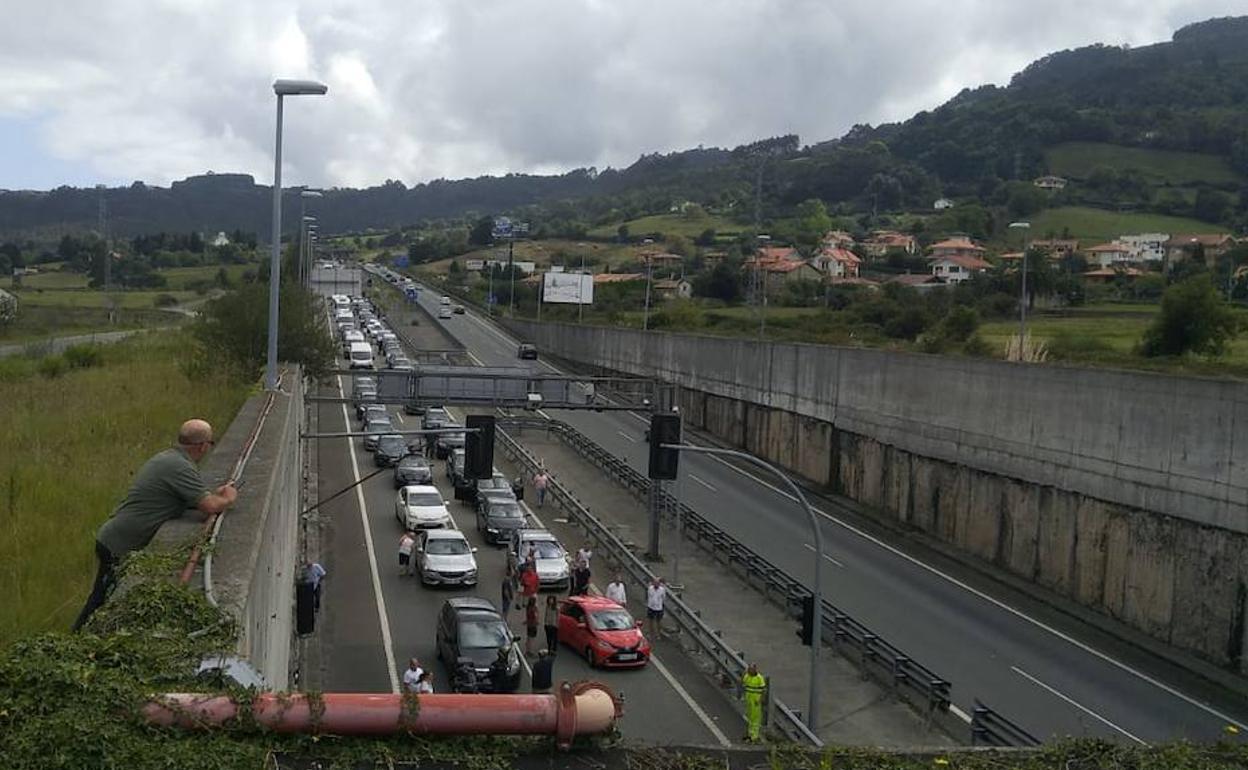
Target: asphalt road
374	620
1049	673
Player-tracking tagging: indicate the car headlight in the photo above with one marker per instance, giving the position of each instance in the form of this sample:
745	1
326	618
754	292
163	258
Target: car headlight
605	646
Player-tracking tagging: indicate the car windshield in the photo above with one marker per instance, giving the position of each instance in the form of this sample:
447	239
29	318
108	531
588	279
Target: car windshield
379	425
414	463
611	620
424	499
493	483
391	444
505	510
447	546
453	439
545	549
483	634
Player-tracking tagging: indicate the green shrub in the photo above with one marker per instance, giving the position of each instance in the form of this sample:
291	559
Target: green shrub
977	346
165	300
52	366
83	356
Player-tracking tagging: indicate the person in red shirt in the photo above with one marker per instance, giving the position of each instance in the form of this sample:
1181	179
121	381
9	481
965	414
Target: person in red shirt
529	582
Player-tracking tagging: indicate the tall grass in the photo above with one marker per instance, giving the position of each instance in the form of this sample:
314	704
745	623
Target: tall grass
69	446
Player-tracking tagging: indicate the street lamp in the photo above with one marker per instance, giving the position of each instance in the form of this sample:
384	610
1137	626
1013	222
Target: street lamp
645	318
305	272
1022	304
282	88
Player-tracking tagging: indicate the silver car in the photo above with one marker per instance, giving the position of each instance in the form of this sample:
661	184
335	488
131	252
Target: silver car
445	558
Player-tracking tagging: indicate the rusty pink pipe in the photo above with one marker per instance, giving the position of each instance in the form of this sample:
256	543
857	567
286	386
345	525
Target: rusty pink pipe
586	708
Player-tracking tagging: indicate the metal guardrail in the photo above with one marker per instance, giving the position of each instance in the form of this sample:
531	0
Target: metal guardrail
728	662
988	728
875	656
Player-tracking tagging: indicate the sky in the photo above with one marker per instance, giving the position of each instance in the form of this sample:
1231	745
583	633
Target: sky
158	90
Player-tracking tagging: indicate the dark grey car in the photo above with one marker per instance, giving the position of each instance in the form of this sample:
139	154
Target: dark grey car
498	515
390	449
412	469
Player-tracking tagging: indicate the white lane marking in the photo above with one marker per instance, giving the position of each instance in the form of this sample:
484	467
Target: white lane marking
703	482
991	600
959	713
386	642
826	557
399	413
1074	703
627	437
690	702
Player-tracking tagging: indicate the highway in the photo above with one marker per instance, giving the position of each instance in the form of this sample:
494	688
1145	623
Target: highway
1044	670
374	620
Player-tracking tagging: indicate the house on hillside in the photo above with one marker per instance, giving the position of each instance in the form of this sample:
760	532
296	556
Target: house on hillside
1145	247
1180	247
922	282
940	204
767	254
780	272
956	268
675	289
837	239
602	278
1049	182
884	241
957	246
1106	255
1057	248
1108	274
836	262
219	240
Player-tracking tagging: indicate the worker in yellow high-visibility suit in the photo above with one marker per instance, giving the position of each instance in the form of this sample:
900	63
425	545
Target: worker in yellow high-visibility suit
754	686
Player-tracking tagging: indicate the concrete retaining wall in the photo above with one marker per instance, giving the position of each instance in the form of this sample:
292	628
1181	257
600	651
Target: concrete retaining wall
1127	492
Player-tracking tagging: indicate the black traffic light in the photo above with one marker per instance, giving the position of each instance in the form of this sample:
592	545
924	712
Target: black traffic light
664	429
807	631
479	447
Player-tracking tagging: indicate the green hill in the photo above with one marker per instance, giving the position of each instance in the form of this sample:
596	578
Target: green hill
670	224
1077	160
1088	224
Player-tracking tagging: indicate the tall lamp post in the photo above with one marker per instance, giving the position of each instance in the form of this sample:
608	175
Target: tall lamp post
1022	300
306	226
312	231
305	271
645	317
282	88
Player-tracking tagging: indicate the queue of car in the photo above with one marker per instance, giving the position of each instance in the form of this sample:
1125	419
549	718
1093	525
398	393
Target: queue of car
473	639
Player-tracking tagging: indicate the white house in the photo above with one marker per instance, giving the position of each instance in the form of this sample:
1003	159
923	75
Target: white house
836	262
221	239
956	268
1145	247
1108	254
942	203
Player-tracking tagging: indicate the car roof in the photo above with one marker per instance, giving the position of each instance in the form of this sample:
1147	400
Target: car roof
444	534
461	603
536	534
414	460
422	488
379	420
593	602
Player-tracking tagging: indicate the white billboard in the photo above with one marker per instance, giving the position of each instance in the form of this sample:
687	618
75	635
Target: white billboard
568	288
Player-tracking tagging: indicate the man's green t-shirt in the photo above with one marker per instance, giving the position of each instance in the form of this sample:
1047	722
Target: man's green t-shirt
163	489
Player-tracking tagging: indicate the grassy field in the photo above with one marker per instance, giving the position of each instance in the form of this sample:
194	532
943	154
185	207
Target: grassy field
69	298
68	450
670	224
40	322
545	253
1088	224
179	277
1076	160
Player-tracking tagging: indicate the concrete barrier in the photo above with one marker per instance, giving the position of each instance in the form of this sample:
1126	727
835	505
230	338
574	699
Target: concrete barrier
1125	491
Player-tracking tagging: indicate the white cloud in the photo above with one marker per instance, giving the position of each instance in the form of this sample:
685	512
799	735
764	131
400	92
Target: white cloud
446	88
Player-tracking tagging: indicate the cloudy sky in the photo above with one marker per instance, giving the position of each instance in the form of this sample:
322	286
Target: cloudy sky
156	90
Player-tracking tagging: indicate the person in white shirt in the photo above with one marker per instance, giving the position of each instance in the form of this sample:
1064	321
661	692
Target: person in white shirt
406	543
583	555
616	592
412	676
656	593
425	684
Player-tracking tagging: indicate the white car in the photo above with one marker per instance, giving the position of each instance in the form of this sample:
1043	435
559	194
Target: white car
421	507
445	312
444	557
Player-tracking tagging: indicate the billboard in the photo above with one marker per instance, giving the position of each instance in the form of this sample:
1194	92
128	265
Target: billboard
568	288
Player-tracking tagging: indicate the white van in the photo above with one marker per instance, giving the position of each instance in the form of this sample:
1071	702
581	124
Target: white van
361	355
341	300
349	338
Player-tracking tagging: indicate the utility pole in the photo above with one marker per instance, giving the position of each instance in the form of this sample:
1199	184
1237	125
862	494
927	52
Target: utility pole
580	283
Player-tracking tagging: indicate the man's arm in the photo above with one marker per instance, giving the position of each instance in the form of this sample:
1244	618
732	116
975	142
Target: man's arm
217	502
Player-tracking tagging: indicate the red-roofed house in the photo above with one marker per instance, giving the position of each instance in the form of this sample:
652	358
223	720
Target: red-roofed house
776	254
957	246
1181	246
836	263
884	241
837	239
956	268
1108	254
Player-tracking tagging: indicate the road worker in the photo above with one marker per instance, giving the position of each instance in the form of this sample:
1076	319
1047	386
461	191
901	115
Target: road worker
754	687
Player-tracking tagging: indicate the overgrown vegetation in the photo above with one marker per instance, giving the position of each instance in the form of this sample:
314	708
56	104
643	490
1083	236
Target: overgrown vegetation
1193	319
76	427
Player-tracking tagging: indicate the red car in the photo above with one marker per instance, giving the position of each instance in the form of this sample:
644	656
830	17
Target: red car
603	632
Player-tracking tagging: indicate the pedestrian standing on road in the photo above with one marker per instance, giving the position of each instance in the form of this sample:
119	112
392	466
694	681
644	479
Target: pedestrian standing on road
584	554
550	621
753	686
163	489
530	625
407	542
543	671
529	581
508	595
411	677
424	685
579	584
616	592
541	480
656	594
315	573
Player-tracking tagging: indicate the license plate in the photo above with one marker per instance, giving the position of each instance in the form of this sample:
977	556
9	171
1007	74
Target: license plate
623	656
